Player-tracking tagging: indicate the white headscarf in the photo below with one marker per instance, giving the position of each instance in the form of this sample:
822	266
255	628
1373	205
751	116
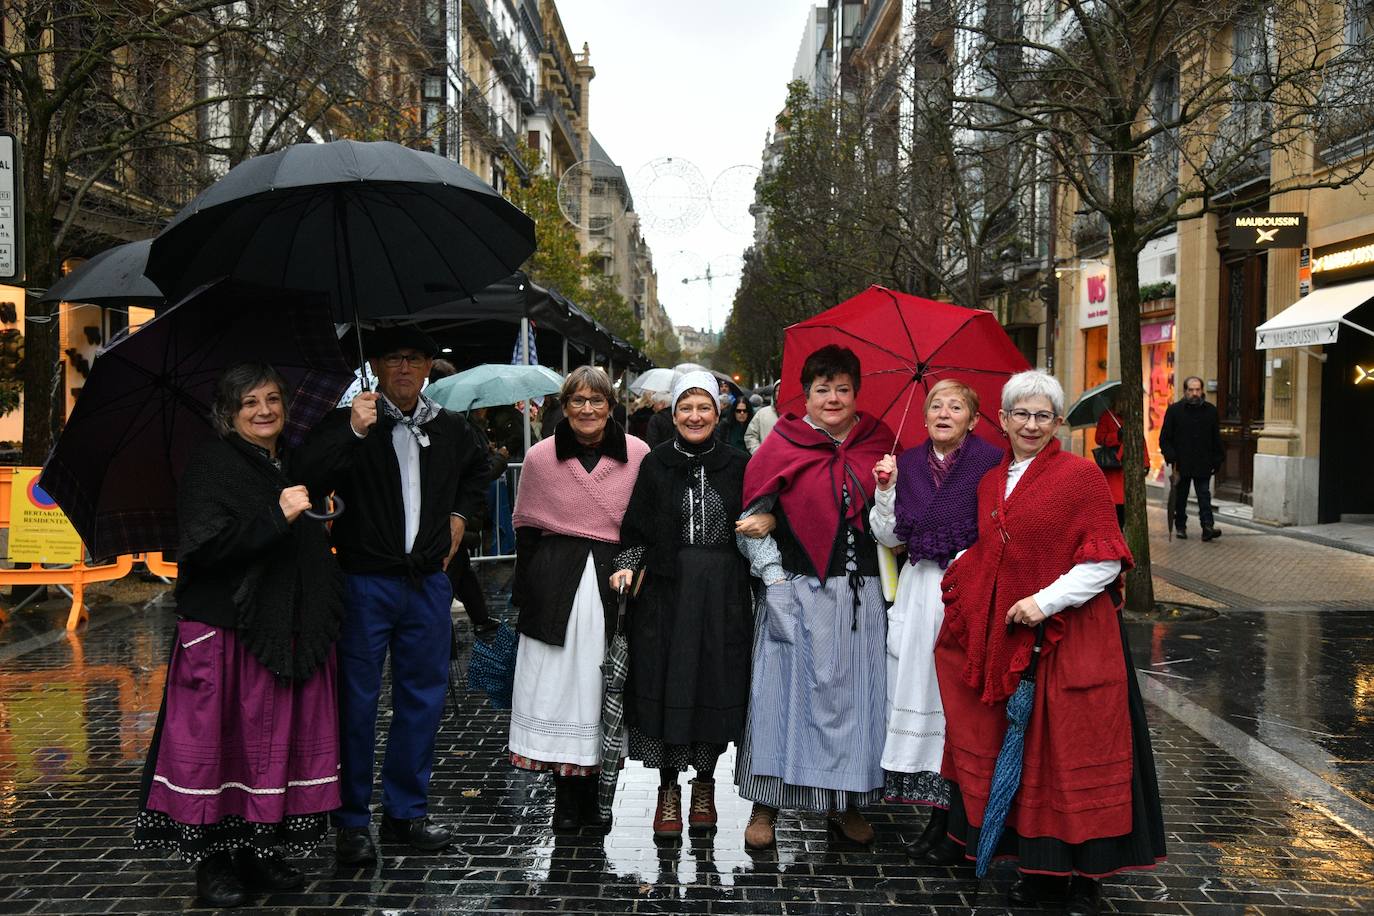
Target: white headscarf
697	378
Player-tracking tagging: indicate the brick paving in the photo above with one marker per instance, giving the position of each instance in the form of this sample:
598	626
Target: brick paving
1256	569
75	717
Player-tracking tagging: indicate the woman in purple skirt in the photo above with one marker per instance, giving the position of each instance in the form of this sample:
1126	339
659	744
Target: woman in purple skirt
243	767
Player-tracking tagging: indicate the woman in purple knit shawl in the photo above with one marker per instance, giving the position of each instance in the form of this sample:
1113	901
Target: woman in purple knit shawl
926	501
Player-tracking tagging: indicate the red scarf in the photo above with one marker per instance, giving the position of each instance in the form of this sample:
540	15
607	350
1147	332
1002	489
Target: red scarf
1051	522
808	471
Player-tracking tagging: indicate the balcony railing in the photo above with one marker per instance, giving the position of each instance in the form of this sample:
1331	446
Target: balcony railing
480	23
509	64
552	104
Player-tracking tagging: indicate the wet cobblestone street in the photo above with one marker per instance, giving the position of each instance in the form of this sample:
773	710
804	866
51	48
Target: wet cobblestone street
76	714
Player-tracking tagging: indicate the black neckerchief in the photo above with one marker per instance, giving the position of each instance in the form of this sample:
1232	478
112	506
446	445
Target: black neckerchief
612	444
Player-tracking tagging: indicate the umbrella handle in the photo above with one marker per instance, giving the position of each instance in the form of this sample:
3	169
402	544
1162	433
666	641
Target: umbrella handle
335	510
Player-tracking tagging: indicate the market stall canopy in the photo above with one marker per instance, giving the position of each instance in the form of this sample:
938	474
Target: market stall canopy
1316	318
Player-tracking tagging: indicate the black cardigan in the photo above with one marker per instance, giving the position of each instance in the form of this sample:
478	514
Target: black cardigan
370	535
654	516
548	566
242	567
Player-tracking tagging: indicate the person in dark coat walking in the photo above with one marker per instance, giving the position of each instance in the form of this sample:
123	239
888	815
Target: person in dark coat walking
411	474
1190	440
691	621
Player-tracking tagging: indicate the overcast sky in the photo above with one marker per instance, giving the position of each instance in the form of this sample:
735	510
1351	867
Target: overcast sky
699	82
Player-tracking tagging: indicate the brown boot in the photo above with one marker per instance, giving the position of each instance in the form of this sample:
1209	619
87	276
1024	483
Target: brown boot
852	826
668	814
702	816
760	834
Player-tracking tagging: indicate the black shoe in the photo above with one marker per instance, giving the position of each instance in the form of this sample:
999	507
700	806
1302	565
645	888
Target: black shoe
933	834
1085	897
1031	889
353	846
945	852
1181	534
588	804
567	808
417	833
265	873
1211	534
218	884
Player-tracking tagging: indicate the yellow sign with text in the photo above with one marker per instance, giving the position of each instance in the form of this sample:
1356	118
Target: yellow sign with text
39	532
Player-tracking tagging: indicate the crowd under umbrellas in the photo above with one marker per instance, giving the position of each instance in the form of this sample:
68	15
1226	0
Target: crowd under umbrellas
263	267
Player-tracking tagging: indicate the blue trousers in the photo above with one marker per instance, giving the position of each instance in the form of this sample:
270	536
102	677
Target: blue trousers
387	613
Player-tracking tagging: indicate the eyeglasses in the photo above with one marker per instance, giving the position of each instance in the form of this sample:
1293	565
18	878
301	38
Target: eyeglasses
741	410
394	360
1041	417
595	403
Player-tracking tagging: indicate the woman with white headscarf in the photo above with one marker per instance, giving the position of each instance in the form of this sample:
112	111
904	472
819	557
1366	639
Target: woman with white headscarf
691	621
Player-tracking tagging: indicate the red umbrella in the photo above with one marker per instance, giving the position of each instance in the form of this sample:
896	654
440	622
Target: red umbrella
906	344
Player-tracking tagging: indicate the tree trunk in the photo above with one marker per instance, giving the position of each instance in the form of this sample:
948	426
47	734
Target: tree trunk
1140	594
40	336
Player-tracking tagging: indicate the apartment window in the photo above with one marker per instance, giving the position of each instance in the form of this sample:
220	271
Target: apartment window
1164	101
434	87
1359	22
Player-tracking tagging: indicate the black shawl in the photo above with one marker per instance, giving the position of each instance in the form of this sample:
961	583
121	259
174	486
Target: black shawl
240	565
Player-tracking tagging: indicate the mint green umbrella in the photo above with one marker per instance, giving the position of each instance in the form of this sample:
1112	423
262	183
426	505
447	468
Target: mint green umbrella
494	384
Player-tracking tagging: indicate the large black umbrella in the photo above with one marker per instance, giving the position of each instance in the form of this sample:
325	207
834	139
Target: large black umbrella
385	230
113	277
146	406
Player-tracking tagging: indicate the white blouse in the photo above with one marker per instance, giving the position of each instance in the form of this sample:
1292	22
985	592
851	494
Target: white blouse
1079	584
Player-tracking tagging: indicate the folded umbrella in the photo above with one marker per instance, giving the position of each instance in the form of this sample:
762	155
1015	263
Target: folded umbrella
146	406
494	384
1006	772
614	670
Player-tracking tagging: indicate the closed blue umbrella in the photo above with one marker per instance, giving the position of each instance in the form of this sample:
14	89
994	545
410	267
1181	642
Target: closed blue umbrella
1006	773
494	384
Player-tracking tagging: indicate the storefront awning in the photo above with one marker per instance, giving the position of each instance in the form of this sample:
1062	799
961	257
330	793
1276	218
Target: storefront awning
1315	319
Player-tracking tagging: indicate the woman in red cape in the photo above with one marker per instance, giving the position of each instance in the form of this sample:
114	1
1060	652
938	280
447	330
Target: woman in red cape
1049	554
818	694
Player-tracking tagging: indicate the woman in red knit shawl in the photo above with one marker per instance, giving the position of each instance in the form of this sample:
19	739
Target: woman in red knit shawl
1049	554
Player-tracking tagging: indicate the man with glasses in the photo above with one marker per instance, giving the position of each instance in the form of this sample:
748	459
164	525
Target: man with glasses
1190	439
411	476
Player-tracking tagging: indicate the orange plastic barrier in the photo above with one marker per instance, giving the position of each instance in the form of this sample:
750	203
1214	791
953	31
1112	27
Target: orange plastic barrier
76	577
158	566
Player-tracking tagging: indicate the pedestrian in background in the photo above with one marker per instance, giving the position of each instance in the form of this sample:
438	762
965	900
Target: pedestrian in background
1046	569
691	621
927	503
1190	440
467	588
818	693
568	511
1109	435
243	768
734	423
411	474
660	428
762	424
